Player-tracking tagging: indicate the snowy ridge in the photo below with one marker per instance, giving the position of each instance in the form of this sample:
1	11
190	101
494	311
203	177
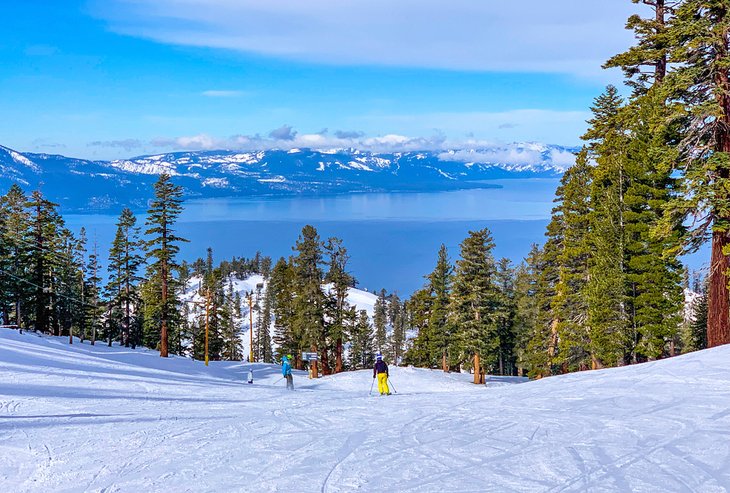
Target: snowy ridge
82	418
19	158
149	166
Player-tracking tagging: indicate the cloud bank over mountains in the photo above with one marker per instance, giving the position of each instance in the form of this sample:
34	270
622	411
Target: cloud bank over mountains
287	138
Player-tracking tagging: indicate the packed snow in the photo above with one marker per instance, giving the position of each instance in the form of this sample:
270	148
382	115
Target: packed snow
82	418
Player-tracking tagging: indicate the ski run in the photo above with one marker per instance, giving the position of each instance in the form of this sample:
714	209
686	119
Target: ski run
99	419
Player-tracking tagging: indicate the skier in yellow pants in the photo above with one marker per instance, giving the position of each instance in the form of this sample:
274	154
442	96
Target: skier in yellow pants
381	371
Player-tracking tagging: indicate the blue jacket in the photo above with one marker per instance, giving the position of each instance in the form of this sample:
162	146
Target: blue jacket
285	367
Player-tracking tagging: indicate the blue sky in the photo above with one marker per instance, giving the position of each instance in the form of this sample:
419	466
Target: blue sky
117	78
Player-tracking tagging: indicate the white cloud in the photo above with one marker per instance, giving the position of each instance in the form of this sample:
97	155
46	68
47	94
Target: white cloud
200	141
562	159
510	154
562	36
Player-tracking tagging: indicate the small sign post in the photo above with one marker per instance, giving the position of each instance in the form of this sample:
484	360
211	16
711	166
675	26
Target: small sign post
312	359
309	357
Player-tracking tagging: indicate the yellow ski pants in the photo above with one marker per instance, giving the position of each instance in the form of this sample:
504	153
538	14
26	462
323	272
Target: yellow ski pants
383	383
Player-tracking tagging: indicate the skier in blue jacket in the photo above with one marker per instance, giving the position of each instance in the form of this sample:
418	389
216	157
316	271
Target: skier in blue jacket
286	371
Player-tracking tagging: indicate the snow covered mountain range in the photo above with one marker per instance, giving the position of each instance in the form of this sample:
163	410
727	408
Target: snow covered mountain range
86	185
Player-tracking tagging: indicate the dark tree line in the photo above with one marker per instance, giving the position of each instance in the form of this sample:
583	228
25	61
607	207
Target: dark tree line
51	280
651	182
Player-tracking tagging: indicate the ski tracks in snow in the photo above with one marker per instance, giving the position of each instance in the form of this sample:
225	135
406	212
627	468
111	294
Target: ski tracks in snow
354	440
92	423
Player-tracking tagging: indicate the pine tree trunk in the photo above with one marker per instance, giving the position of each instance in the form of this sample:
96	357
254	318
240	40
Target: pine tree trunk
125	335
325	365
109	321
477	369
126	320
163	330
315	368
553	345
444	365
718	309
338	356
82	323
661	66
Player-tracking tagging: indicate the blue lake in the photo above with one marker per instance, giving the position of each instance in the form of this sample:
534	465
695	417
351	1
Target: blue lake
392	238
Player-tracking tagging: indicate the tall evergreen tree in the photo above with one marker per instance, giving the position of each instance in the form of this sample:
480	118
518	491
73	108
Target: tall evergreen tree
418	308
162	248
15	241
45	229
281	284
380	321
124	263
94	292
570	250
397	317
652	270
474	300
264	330
698	36
310	299
80	254
231	327
67	285
504	314
341	280
534	328
362	353
440	332
609	327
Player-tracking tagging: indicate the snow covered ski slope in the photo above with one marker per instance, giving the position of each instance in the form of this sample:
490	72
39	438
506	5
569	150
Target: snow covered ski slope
82	418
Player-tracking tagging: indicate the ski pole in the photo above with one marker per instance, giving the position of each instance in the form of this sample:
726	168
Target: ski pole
282	378
371	387
390	382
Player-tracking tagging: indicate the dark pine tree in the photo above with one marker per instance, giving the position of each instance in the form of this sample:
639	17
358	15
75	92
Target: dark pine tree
162	248
341	281
310	299
380	321
440	332
473	303
698	39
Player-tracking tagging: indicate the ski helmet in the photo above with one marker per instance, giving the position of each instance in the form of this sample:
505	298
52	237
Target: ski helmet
378	356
